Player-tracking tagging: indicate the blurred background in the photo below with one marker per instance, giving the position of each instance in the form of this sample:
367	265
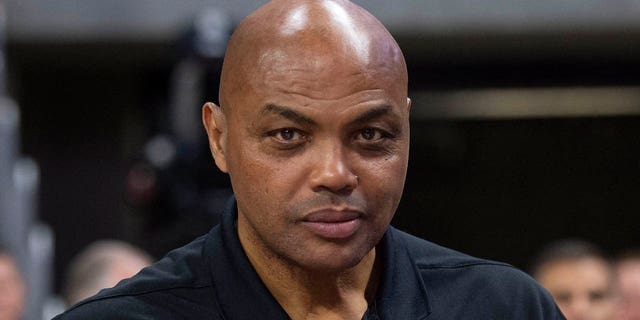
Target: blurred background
525	124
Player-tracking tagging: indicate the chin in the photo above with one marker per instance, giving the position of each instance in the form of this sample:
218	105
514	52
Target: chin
331	267
333	261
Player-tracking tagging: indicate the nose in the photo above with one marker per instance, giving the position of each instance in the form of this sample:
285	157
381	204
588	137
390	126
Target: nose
332	170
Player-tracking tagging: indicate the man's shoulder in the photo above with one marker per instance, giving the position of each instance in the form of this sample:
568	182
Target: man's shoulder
428	255
454	277
430	258
177	286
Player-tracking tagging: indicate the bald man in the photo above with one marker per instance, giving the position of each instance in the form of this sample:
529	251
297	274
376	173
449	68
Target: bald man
313	130
628	285
101	265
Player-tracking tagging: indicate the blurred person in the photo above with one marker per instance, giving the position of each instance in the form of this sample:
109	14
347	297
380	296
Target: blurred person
313	130
627	268
101	265
579	277
12	288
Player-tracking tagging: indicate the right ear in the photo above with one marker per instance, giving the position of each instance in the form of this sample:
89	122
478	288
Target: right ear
215	123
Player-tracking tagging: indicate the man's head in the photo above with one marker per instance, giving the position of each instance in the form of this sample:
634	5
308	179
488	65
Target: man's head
102	265
579	277
12	288
628	285
313	129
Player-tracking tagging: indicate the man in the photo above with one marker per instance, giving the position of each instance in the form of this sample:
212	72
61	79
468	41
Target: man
102	265
628	284
313	130
12	288
579	277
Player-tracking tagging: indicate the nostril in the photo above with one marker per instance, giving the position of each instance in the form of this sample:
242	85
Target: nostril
336	182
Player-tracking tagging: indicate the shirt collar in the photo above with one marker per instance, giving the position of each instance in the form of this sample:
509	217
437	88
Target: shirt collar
242	294
401	292
240	291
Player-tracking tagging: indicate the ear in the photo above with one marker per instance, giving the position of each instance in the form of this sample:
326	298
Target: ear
408	104
215	123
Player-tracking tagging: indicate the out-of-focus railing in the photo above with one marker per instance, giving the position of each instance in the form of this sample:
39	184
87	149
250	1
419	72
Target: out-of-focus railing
30	241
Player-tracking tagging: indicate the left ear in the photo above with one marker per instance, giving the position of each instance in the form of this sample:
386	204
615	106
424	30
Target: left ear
408	104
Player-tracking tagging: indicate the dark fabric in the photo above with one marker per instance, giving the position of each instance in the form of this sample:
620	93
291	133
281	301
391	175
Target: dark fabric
372	313
211	278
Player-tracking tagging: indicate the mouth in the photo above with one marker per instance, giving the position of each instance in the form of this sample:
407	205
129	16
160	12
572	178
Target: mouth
332	223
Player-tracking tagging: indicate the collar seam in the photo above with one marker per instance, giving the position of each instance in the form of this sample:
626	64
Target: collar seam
462	265
133	294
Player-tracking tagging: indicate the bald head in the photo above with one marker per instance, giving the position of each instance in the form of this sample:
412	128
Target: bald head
319	36
102	265
314	114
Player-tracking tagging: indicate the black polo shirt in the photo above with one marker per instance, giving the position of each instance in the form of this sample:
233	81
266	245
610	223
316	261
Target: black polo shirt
211	278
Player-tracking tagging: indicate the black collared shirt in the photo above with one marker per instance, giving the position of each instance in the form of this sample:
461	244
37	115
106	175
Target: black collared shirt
211	278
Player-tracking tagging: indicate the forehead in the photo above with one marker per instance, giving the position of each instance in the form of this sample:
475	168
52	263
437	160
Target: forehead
629	273
7	266
580	273
319	72
323	50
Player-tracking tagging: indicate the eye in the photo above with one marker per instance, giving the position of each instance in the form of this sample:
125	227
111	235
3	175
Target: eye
287	135
370	134
597	295
562	297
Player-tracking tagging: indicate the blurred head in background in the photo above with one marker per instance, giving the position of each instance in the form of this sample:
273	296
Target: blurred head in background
102	265
580	278
628	283
12	288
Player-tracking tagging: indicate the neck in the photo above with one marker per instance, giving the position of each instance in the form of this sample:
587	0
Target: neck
307	294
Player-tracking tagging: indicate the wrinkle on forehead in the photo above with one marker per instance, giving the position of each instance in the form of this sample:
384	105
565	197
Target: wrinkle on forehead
281	62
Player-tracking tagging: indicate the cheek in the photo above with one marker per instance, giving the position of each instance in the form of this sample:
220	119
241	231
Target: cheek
383	183
388	174
262	180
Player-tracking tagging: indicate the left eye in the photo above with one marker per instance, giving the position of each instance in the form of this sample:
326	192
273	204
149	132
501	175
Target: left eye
370	134
287	134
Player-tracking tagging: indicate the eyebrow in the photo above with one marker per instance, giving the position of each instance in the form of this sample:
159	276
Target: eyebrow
373	114
288	113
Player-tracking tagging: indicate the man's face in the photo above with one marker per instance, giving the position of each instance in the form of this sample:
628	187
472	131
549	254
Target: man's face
628	284
582	288
317	148
11	290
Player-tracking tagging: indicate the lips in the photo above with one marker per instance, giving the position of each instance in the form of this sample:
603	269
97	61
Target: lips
333	224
